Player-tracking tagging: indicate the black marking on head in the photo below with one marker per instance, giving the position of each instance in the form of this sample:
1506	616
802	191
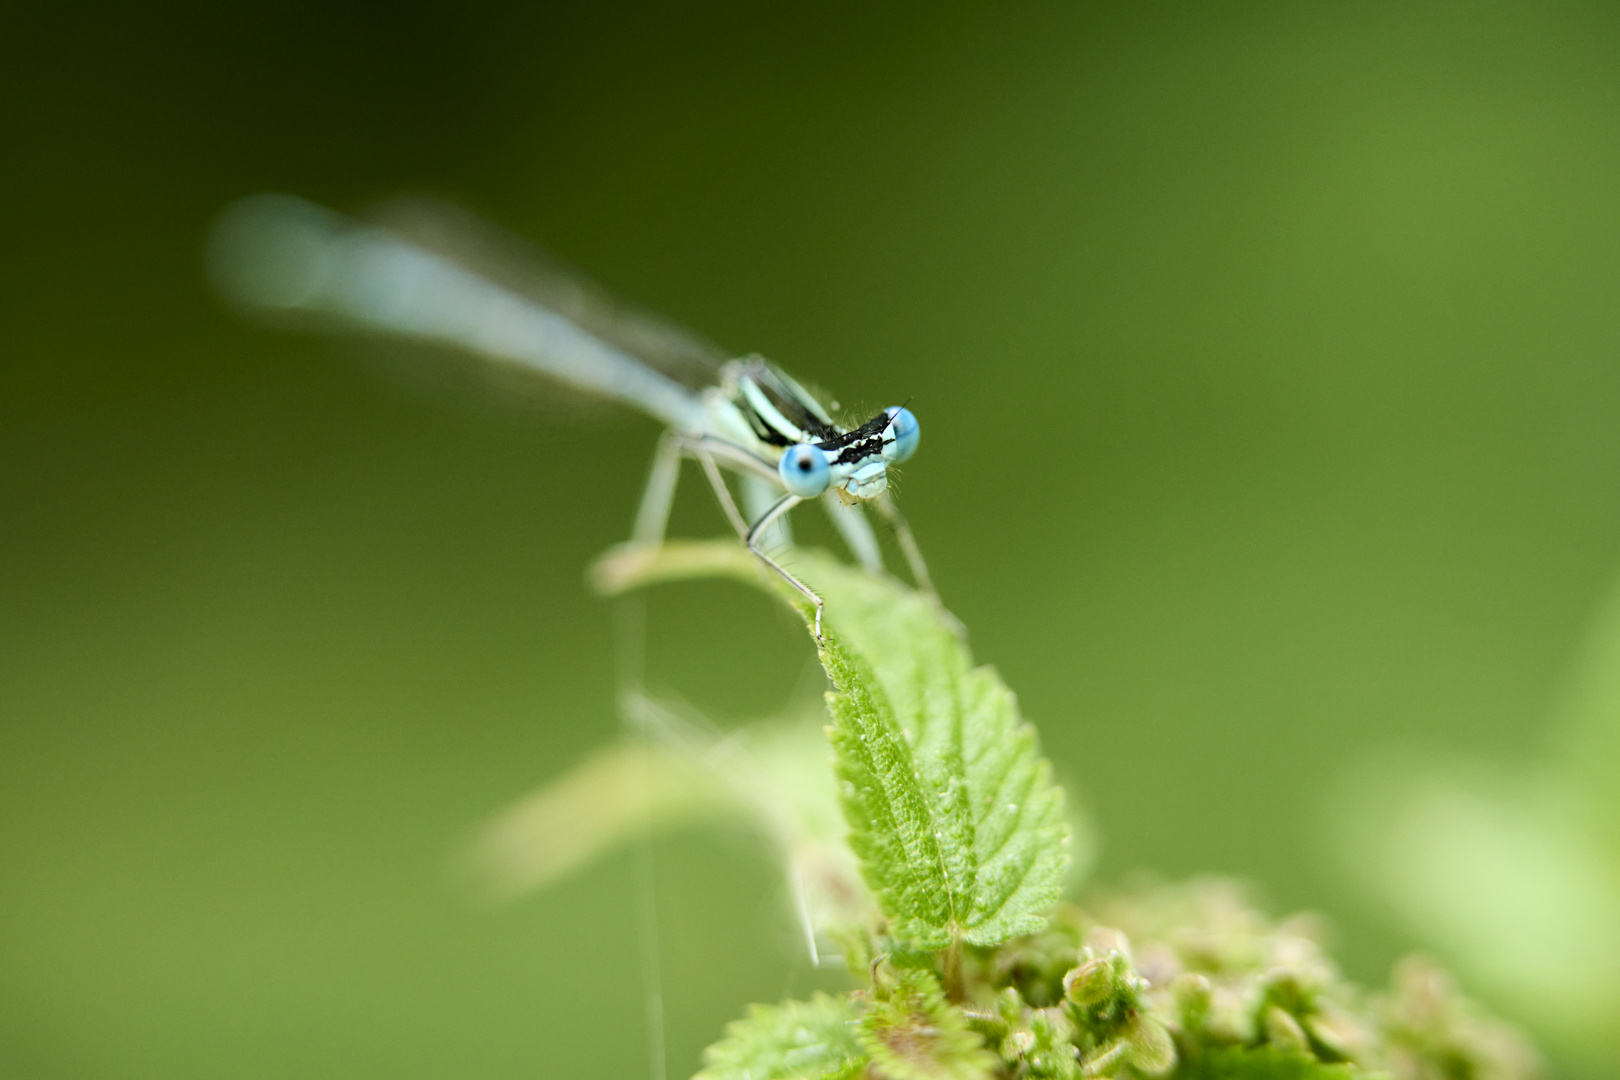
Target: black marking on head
864	442
867	448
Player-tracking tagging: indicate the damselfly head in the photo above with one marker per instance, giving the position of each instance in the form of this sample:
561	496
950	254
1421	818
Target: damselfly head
902	434
866	481
816	454
860	459
804	470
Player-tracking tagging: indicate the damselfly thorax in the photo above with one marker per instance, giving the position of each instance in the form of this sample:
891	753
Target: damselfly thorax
279	255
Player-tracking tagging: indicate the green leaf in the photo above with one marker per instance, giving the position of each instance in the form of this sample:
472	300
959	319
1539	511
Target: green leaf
1503	884
1235	1063
598	804
796	1040
680	771
951	810
911	1033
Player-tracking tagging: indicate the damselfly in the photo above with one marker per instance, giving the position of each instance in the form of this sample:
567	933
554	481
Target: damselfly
280	254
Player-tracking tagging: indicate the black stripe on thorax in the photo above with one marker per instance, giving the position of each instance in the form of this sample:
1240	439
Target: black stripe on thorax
787	398
795	411
766	433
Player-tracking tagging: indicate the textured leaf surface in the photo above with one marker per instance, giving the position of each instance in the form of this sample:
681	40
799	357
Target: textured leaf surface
951	810
811	1040
912	1034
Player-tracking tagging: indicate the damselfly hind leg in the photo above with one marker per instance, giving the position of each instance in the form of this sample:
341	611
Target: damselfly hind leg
652	516
721	492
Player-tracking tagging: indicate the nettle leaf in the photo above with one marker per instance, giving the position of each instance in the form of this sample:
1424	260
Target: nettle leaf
951	809
796	1040
599	804
913	1034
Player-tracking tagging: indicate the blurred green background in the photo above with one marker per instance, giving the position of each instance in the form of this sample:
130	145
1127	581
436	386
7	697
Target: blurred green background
1266	357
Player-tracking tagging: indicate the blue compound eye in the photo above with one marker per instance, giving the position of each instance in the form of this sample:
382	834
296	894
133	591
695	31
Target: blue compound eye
906	434
804	470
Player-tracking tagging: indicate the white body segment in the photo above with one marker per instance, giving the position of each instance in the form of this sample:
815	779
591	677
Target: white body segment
281	254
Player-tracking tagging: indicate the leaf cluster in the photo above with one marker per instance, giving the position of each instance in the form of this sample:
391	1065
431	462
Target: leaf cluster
966	965
1217	993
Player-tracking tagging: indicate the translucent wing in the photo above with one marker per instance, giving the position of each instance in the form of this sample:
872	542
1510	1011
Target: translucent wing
529	271
281	256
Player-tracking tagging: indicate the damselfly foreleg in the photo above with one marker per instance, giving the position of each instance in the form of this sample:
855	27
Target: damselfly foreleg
751	538
751	534
857	532
908	545
711	452
914	559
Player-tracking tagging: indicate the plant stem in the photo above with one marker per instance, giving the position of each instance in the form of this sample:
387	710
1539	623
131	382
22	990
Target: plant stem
950	966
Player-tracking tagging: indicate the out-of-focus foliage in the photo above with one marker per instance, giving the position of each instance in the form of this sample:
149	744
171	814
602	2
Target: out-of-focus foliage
1266	353
773	776
950	809
1515	876
911	1032
809	1039
1212	990
618	793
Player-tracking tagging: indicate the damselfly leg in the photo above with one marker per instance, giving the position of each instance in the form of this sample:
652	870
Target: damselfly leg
282	257
711	452
434	279
652	517
751	538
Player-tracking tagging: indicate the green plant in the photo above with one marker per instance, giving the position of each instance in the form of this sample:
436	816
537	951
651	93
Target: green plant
935	860
1513	875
